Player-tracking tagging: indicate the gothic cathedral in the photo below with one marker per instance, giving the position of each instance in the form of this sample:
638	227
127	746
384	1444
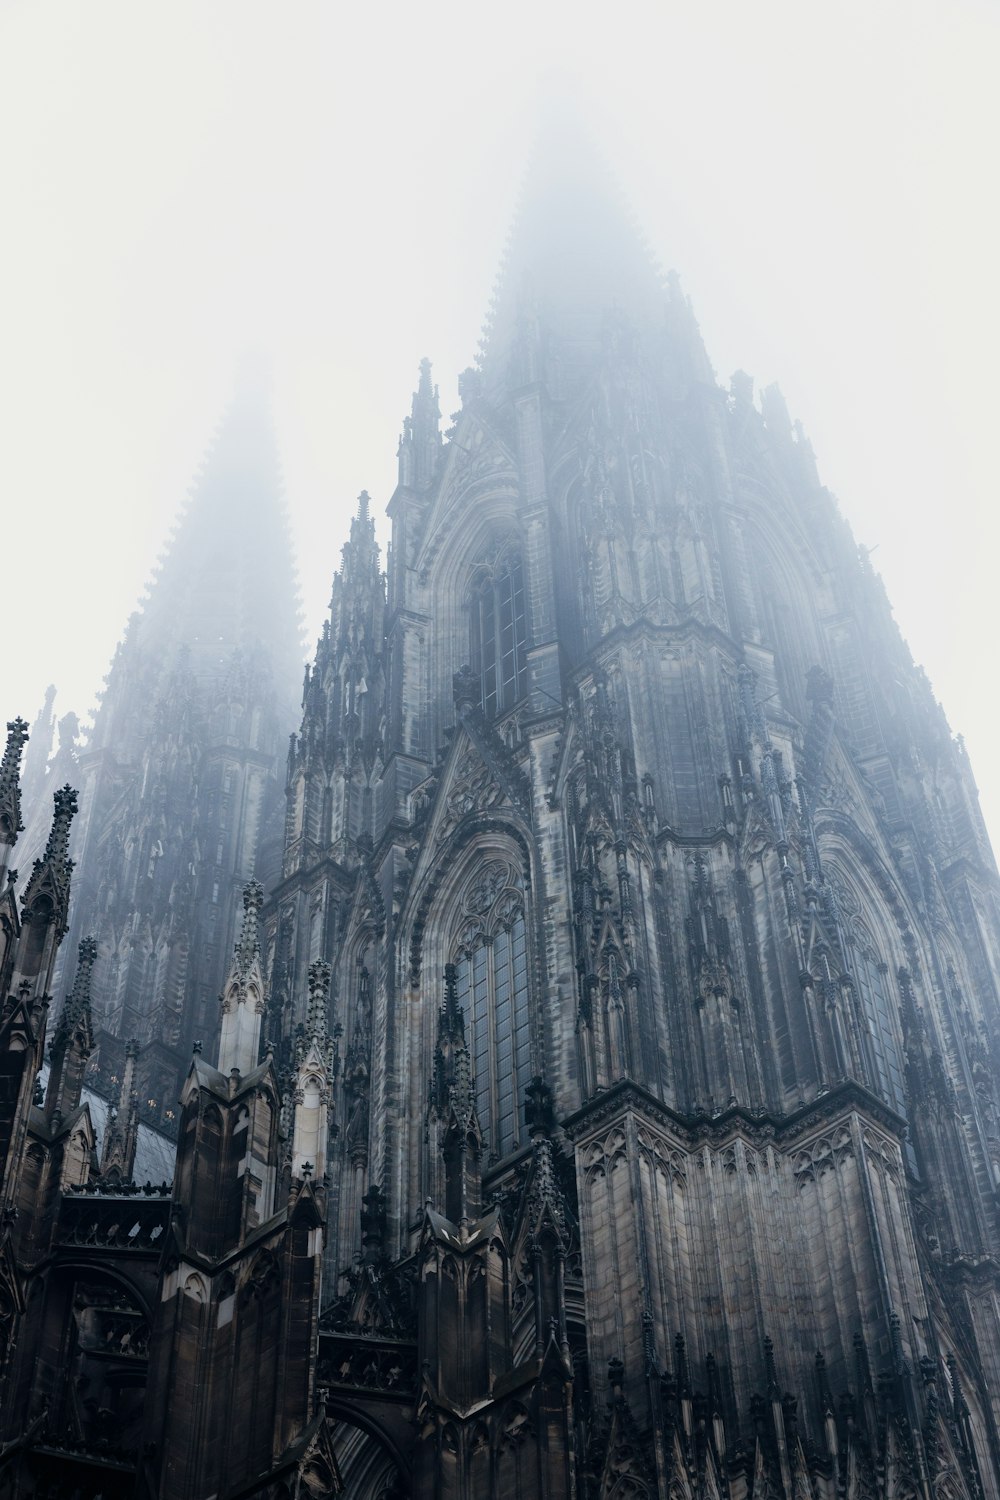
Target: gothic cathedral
603	1100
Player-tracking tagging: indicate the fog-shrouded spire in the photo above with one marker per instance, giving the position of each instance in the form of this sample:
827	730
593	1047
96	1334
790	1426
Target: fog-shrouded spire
574	254
342	705
226	581
420	444
200	701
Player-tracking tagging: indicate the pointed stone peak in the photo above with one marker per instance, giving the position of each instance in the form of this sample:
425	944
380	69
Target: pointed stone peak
317	1016
57	848
310	1099
573	256
451	1021
453	1104
76	1011
51	873
362	546
358	584
10	781
247	950
226	578
243	997
544	1203
420	444
453	1084
122	1131
72	1041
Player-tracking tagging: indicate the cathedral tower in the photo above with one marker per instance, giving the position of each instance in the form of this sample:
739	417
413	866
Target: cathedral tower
608	1087
664	938
178	778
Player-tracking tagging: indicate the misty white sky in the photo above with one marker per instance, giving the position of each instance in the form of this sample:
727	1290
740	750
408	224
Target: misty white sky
334	183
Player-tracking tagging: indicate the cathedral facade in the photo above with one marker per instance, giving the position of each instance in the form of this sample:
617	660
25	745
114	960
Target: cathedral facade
604	1097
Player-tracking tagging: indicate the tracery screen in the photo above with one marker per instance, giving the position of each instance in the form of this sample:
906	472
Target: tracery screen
493	992
875	997
500	636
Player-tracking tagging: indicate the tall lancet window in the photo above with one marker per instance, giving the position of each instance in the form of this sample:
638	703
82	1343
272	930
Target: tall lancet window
872	980
500	631
491	959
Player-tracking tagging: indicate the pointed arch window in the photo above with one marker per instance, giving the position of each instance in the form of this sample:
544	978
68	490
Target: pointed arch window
500	632
491	961
871	976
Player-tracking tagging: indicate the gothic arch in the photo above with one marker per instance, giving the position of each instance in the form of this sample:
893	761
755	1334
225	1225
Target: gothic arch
485	532
844	845
369	1457
75	1268
874	950
435	930
488	947
474	832
101	1322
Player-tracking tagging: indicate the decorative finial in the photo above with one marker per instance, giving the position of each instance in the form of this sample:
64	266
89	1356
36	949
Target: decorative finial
77	1005
57	848
247	949
319	991
10	779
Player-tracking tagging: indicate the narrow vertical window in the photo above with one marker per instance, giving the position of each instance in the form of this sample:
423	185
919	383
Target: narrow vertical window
492	978
499	634
885	1059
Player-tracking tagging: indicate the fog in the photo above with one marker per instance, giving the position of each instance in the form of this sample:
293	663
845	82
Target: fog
332	185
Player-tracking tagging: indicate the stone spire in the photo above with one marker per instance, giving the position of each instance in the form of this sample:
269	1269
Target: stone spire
358	589
342	707
453	1100
314	1065
225	583
243	997
10	827
317	1016
574	254
10	788
72	1040
122	1130
420	444
45	906
199	703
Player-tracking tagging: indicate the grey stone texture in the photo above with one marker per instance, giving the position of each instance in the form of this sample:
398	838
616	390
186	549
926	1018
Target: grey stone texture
625	1114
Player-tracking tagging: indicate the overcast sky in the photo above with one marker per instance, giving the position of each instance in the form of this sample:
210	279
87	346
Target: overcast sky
333	184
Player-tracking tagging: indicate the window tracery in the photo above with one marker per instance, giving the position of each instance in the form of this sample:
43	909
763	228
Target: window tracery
871	982
500	630
490	954
871	979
